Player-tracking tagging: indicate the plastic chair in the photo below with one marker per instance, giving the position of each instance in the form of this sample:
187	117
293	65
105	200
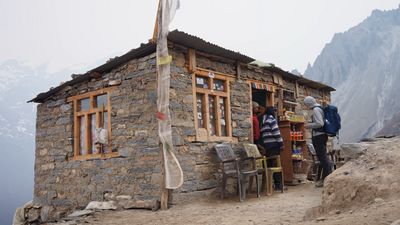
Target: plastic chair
277	168
251	150
230	166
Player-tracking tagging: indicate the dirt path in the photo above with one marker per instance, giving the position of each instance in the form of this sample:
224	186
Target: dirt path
287	208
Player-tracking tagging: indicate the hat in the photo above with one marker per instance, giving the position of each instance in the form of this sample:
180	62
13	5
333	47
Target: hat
255	104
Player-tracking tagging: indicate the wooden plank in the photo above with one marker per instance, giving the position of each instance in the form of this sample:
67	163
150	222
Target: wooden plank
109	123
164	190
251	110
218	116
96	156
297	89
196	124
270	99
286	153
192	60
211	92
87	135
228	110
218	75
238	70
88	94
207	115
76	130
280	105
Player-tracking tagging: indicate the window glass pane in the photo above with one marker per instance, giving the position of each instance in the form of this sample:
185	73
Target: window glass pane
100	101
105	119
222	111
92	119
82	135
219	85
84	104
105	126
201	82
200	110
211	102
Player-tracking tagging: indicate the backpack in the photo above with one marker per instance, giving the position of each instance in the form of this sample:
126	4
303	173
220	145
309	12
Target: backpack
331	120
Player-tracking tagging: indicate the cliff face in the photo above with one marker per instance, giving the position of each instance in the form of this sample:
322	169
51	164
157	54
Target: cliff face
363	64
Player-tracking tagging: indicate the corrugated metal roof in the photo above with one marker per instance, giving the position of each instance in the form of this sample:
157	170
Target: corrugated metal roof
194	42
300	79
177	37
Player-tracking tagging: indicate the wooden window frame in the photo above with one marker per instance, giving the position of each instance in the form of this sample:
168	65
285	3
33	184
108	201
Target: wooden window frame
96	111
203	134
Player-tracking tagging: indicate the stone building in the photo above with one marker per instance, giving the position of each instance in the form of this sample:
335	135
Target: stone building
210	101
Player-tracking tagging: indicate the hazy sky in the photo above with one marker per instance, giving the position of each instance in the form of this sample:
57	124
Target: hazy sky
74	33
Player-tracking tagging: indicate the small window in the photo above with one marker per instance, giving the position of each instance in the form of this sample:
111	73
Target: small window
91	112
212	106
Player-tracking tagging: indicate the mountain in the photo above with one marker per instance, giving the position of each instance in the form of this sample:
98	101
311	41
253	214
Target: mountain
363	64
18	84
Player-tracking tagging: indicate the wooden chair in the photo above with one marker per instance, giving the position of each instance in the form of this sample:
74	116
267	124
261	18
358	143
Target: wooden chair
230	166
251	150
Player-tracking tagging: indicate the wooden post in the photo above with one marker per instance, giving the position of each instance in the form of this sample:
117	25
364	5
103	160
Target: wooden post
192	60
155	32
238	70
164	190
297	89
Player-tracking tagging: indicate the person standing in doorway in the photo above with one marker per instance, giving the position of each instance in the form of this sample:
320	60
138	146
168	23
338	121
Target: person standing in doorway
319	137
272	141
256	123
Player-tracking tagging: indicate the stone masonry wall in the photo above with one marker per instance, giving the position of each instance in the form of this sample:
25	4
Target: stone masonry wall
64	183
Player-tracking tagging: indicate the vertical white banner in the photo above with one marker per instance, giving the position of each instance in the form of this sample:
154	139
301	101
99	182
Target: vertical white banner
172	168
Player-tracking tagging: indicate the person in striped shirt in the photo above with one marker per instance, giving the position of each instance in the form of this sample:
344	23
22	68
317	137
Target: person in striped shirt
271	139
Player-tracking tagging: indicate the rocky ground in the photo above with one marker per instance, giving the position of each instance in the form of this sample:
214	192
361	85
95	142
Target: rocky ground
286	208
364	191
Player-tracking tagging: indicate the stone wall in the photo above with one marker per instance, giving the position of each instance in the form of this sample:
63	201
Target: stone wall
65	183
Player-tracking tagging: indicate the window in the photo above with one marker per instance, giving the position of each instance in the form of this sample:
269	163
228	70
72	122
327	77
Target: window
92	111
212	106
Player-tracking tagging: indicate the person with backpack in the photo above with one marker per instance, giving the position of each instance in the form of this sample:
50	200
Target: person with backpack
319	136
271	140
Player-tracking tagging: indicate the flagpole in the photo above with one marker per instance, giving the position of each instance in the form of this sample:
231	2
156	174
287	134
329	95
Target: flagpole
155	31
172	174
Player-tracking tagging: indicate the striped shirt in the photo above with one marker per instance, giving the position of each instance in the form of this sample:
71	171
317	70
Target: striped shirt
270	134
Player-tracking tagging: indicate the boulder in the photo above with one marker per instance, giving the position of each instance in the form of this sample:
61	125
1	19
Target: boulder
352	150
140	204
373	176
95	205
80	213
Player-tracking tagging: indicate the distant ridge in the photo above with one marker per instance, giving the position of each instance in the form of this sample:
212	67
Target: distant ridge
363	64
